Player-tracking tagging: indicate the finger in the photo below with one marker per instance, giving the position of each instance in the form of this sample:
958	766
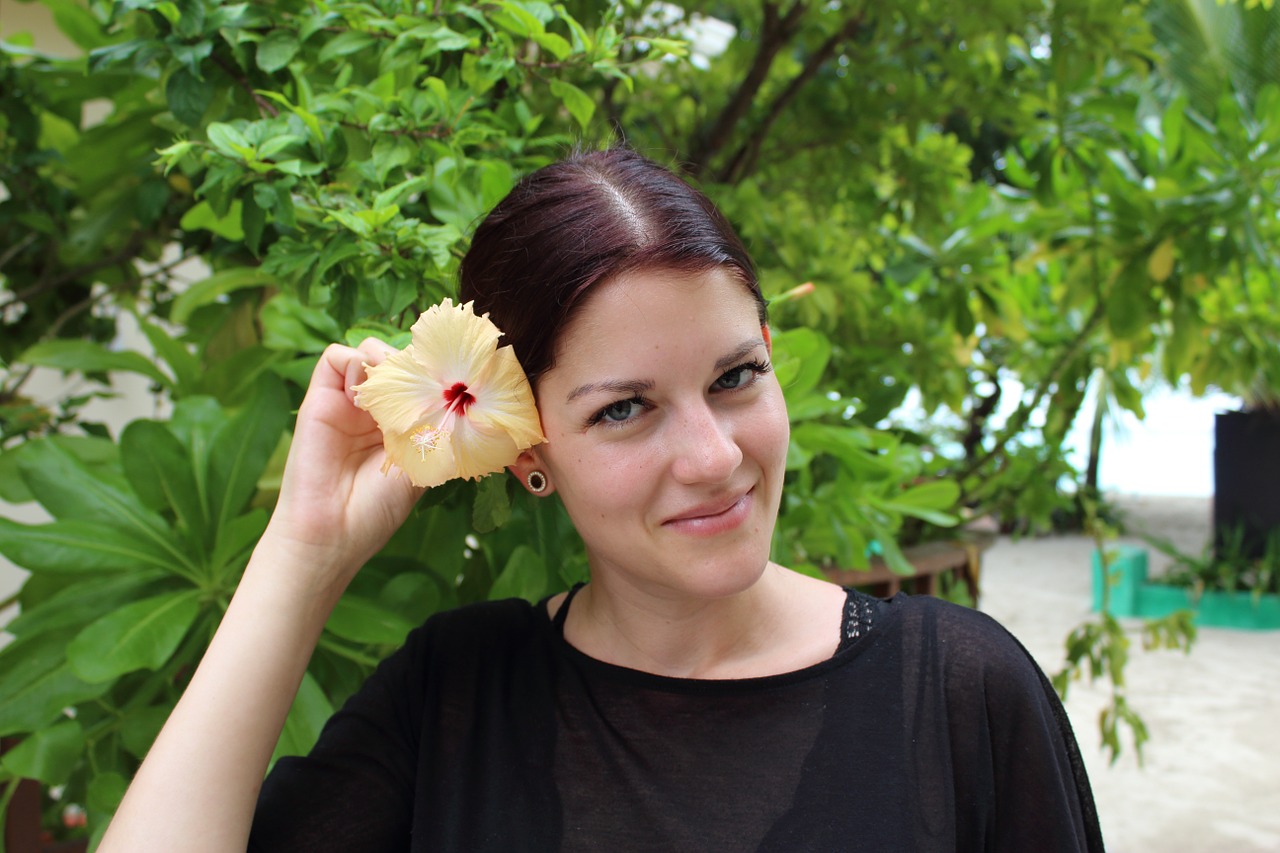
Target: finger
331	369
371	353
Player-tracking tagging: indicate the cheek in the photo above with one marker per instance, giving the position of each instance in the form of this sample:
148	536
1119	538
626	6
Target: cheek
770	429
598	478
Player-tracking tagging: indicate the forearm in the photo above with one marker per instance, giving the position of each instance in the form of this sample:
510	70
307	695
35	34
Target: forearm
197	788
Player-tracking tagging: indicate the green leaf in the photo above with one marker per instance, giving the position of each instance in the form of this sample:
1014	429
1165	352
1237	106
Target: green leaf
235	541
96	453
141	635
69	489
492	507
48	755
847	444
161	472
363	621
290	326
396	195
936	495
185	366
800	357
307	716
90	357
252	223
84	601
36	683
576	101
276	50
71	547
556	45
524	576
226	139
202	216
188	96
78	24
352	41
106	790
243	446
139	729
215	287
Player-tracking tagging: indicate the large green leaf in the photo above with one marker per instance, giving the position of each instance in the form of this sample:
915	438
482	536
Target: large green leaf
160	471
363	621
79	547
243	446
90	357
524	576
48	755
185	366
216	286
83	601
310	710
99	454
36	683
799	358
141	635
68	488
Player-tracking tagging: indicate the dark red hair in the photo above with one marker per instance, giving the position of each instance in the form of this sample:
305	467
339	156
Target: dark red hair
582	221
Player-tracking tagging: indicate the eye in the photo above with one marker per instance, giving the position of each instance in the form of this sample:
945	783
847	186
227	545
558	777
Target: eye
740	376
619	412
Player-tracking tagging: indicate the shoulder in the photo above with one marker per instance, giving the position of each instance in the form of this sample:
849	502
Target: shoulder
480	627
969	646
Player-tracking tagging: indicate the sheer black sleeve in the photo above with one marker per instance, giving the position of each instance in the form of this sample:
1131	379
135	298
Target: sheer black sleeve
1017	757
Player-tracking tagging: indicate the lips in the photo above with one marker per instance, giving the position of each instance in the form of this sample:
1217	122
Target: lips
713	517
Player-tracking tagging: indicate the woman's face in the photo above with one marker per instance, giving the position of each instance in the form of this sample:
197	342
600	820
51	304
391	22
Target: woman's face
667	433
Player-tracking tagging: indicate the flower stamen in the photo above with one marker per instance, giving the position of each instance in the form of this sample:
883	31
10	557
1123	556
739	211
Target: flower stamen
425	439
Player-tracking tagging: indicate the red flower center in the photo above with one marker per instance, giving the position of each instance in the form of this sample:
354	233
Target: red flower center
458	398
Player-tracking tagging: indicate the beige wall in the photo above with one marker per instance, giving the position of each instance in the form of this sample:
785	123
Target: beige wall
36	20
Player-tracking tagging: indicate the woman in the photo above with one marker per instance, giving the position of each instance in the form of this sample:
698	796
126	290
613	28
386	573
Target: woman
693	695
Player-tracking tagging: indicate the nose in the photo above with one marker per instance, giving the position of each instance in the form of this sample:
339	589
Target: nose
703	446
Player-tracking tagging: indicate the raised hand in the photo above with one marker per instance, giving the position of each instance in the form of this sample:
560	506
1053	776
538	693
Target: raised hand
336	506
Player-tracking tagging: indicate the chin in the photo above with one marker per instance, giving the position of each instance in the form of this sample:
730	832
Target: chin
727	574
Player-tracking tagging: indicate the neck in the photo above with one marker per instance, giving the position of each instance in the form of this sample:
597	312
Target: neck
751	633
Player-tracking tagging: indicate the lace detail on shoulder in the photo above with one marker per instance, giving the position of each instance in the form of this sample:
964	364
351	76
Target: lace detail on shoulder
858	612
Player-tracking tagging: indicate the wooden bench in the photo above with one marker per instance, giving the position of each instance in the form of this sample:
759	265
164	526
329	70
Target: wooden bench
929	561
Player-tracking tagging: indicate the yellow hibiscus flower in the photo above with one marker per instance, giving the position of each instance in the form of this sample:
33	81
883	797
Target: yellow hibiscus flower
452	403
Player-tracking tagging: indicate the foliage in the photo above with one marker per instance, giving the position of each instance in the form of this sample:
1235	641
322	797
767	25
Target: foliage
979	194
324	163
1099	648
1224	565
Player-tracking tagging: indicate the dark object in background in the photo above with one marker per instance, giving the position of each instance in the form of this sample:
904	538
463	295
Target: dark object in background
1246	477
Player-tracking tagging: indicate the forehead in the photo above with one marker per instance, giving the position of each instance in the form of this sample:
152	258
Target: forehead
660	308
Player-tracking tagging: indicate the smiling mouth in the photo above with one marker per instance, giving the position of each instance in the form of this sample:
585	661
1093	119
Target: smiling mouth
715	519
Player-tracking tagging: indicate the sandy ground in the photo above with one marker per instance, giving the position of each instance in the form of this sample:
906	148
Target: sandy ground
1210	780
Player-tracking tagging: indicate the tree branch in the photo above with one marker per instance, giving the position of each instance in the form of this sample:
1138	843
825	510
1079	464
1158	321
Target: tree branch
744	160
264	106
131	248
775	32
1020	417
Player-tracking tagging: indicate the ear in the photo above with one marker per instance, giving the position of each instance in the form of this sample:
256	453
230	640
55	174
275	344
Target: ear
526	463
768	338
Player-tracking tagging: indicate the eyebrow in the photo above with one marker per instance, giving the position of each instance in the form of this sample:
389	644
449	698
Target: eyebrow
636	387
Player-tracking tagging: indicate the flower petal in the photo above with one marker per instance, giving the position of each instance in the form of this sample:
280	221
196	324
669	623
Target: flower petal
504	402
400	392
425	465
454	343
479	451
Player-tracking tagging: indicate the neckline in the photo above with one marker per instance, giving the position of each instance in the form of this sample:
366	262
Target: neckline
845	653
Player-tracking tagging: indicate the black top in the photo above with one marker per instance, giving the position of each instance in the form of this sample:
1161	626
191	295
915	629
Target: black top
930	729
